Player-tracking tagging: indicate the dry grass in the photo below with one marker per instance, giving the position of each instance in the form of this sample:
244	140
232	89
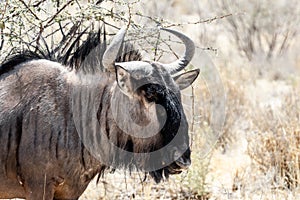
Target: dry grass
277	144
261	138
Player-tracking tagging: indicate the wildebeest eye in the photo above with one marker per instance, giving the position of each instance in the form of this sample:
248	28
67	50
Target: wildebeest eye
153	92
150	96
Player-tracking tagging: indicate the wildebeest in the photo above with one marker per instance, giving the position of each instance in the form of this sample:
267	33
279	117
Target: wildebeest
42	153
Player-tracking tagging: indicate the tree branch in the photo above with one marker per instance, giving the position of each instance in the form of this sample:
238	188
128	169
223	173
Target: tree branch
27	7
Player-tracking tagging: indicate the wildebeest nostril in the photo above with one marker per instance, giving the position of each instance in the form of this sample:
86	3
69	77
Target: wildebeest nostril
183	162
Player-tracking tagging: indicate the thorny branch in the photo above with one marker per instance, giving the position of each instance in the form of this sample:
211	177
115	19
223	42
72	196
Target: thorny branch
57	13
209	20
27	7
57	28
170	24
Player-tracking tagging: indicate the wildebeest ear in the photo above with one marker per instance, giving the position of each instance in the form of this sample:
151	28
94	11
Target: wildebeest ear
123	80
186	79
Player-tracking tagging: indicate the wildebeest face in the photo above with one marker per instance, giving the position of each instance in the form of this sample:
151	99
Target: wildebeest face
153	115
155	99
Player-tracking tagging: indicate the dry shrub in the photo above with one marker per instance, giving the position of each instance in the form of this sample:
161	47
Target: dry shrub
276	147
264	29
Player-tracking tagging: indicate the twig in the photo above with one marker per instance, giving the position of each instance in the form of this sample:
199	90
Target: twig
38	3
4	11
39	36
29	10
59	23
156	46
58	29
57	13
209	20
159	21
193	114
2	39
129	11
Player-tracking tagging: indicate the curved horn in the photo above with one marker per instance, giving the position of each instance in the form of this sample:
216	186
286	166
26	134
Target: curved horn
112	50
183	61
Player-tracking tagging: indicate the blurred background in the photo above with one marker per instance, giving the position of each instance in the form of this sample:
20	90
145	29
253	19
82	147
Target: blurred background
251	47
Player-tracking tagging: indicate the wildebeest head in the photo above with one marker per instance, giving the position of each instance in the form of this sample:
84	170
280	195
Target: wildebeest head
147	107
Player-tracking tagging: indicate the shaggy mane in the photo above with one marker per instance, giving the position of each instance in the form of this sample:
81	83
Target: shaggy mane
73	55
